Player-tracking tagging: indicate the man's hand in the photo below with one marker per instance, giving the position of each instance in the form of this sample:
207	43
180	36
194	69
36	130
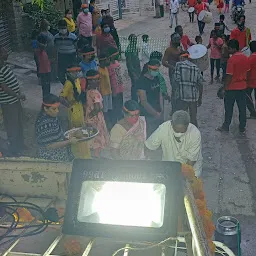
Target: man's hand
21	97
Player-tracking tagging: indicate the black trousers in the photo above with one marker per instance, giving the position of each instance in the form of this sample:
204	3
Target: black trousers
13	122
46	84
191	16
238	96
161	10
224	70
215	62
116	113
134	95
249	101
64	61
201	26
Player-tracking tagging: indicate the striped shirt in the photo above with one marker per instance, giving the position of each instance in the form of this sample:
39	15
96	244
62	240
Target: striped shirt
67	44
8	78
188	78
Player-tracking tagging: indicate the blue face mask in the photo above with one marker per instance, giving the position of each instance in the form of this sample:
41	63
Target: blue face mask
86	10
154	73
107	30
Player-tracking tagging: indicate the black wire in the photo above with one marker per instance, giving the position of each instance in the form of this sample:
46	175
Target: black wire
8	196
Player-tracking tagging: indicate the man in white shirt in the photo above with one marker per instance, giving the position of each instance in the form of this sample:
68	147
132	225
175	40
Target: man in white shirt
180	141
174	10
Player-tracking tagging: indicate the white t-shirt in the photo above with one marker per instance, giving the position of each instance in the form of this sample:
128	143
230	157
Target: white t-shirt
174	6
161	2
188	149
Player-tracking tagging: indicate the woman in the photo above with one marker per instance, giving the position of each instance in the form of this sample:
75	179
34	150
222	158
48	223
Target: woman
49	134
127	137
96	16
73	97
71	26
105	40
94	115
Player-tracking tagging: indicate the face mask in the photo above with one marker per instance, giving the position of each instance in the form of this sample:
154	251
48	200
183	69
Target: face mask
132	120
69	16
241	26
178	134
86	10
153	73
49	27
106	30
63	31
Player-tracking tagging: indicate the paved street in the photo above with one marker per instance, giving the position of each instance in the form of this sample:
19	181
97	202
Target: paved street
229	171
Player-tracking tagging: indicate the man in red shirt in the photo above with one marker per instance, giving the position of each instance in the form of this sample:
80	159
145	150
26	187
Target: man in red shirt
251	81
200	6
235	86
191	3
185	41
241	33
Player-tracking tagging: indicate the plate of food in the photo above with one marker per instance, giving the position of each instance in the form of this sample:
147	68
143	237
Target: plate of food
82	133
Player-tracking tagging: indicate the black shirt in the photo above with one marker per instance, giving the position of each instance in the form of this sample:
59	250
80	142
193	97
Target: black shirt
152	89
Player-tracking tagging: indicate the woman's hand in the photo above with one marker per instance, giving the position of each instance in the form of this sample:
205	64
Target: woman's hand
73	140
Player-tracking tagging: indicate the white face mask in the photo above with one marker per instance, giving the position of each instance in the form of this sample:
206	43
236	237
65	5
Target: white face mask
178	134
49	27
63	31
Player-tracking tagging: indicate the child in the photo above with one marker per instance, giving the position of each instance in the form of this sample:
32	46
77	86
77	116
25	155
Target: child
145	50
158	56
44	65
105	87
73	97
224	56
226	10
88	62
215	44
94	115
117	86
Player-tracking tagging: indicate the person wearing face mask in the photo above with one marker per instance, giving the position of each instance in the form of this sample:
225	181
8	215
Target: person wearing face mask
180	141
150	98
49	134
71	26
74	99
241	33
45	31
94	114
189	87
84	23
105	40
65	44
88	60
127	137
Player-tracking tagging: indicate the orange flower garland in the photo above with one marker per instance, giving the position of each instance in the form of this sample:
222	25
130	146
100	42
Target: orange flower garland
198	192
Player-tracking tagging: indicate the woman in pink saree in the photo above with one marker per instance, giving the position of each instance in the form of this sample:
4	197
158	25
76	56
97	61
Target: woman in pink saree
127	137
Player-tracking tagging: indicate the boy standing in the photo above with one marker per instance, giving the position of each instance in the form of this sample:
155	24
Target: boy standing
10	97
44	65
145	52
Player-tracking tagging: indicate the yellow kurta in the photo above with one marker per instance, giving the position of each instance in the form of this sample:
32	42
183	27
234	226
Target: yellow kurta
76	118
71	26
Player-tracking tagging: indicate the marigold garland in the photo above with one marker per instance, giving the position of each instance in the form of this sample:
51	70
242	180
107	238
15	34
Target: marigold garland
199	195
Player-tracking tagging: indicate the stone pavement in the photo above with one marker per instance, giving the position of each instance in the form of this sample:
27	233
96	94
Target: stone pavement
229	159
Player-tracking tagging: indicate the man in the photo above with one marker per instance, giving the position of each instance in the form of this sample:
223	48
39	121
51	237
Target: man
235	86
10	97
171	57
157	7
65	44
251	83
191	3
200	6
84	23
185	41
241	33
174	10
180	141
161	8
188	87
148	90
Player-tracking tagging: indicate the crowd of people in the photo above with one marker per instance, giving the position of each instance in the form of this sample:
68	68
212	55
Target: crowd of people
87	53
